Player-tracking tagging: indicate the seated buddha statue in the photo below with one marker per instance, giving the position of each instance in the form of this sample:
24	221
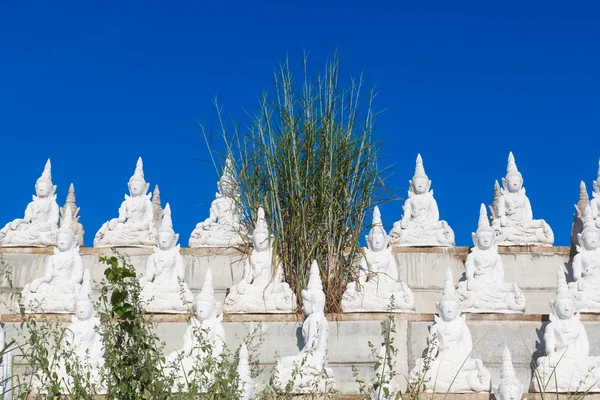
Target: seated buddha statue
163	285
484	290
567	365
514	224
38	226
450	366
307	371
204	338
135	224
262	289
63	277
378	287
82	345
586	266
222	228
420	224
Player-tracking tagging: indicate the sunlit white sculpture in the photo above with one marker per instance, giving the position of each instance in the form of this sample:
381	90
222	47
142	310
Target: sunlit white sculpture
135	225
307	371
82	347
514	223
451	368
222	228
385	387
509	387
77	227
586	266
595	202
63	275
262	289
163	285
484	290
420	225
38	226
204	338
567	365
378	287
246	385
582	203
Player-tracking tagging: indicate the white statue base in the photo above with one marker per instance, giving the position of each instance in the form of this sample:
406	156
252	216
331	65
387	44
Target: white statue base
217	236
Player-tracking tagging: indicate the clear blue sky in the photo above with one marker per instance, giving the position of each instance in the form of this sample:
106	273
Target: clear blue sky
94	86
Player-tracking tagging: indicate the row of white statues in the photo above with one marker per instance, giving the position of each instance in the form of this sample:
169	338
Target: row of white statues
420	225
446	367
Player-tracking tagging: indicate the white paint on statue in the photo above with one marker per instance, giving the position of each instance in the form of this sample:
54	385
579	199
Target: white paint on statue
39	225
204	338
164	289
378	287
420	225
514	223
262	289
582	203
509	387
77	227
567	366
134	226
247	386
307	372
484	290
450	368
586	266
63	277
222	228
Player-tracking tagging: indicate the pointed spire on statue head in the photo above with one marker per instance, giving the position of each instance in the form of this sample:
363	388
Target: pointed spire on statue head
508	378
207	292
449	291
66	224
166	222
419	169
71	194
583	201
138	174
314	279
562	288
261	223
511	167
376	217
46	176
483	225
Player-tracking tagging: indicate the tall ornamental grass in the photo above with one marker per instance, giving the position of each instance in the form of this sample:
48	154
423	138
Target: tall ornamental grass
308	156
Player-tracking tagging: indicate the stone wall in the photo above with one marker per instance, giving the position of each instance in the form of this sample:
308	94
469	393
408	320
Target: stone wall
422	268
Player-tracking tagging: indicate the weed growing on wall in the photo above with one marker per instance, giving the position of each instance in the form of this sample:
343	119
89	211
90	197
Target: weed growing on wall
309	158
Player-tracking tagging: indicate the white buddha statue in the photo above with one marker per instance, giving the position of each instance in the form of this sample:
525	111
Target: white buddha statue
509	387
135	224
451	368
82	344
63	275
484	290
246	385
204	338
420	225
222	228
262	289
514	223
595	202
307	371
38	226
378	287
77	227
163	285
567	365
586	266
582	203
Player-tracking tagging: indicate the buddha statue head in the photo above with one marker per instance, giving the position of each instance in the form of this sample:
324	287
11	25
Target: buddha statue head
43	186
313	297
513	182
206	304
261	238
227	183
166	238
563	306
484	237
509	387
84	309
377	239
449	306
420	183
137	184
589	238
65	236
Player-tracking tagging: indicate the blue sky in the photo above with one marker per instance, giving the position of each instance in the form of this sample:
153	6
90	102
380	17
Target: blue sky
94	86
